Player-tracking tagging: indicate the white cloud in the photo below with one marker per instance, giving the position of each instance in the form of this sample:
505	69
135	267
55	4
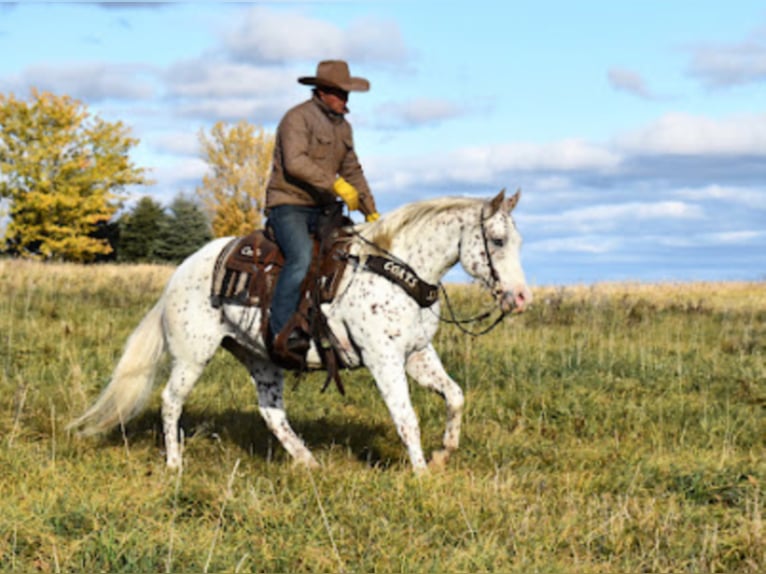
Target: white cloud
253	110
552	183
91	81
609	217
212	79
635	210
560	156
737	237
266	36
487	164
677	150
725	65
699	240
175	143
749	197
180	174
416	113
273	37
630	82
376	41
574	244
685	134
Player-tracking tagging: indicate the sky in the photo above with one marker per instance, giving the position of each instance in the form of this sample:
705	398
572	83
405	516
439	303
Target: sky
636	130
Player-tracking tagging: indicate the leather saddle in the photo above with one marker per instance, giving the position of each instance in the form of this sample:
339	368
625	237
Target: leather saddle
246	273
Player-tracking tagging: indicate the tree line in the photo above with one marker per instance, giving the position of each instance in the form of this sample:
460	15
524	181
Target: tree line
151	233
66	178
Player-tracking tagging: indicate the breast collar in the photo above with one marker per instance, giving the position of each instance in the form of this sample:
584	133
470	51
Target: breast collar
401	274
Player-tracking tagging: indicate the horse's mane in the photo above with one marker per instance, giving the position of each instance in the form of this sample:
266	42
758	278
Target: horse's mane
382	232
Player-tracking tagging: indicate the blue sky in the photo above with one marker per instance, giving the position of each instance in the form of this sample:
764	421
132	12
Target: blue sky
636	130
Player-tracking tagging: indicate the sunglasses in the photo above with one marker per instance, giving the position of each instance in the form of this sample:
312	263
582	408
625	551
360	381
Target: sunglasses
337	92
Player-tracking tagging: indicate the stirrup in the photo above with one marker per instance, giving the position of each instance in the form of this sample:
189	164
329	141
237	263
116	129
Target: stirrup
289	347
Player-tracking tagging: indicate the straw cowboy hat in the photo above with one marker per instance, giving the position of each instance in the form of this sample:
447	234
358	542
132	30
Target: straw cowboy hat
335	74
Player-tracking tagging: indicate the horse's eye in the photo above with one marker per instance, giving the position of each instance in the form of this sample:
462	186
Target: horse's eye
498	242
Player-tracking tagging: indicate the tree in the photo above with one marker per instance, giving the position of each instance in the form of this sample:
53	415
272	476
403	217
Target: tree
187	229
109	231
240	159
141	230
63	173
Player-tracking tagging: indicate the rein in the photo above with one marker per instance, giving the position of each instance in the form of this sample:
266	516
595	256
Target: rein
460	322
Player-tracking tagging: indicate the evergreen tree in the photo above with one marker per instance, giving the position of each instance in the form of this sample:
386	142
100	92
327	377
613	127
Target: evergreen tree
187	230
108	231
141	231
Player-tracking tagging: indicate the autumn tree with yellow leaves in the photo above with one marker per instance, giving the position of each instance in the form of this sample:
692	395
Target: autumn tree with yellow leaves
233	191
62	173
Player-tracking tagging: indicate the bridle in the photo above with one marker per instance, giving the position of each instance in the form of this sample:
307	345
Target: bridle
494	276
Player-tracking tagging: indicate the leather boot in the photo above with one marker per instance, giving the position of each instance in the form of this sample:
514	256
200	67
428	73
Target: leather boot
289	347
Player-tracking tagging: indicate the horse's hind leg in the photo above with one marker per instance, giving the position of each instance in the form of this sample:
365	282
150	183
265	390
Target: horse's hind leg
182	379
269	383
427	369
268	380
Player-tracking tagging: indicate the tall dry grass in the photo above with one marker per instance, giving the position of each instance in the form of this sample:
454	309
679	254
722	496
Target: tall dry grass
612	428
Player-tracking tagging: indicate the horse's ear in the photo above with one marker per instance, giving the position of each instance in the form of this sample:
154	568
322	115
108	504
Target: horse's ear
511	202
496	202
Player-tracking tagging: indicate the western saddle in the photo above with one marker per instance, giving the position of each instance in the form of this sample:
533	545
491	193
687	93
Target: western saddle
246	273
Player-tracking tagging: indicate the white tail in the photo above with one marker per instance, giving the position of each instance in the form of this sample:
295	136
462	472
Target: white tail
132	380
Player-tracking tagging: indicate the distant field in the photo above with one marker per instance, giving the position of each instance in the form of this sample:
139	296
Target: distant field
613	428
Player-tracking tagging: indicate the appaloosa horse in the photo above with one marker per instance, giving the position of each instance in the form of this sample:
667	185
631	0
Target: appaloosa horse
375	323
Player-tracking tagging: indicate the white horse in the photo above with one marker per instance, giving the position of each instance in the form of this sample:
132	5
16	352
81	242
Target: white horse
376	324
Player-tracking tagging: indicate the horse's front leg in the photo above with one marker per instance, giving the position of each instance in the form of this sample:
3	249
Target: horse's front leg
391	379
427	369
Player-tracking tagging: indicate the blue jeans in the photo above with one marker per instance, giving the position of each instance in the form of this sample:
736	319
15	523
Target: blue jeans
293	227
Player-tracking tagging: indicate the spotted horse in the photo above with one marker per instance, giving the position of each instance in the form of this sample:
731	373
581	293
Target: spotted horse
374	321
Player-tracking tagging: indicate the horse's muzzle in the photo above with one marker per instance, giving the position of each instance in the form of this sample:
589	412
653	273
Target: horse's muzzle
514	300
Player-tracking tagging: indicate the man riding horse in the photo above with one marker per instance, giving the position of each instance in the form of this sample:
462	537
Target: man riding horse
314	167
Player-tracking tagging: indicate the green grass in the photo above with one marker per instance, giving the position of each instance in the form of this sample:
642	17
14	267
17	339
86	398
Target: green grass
615	428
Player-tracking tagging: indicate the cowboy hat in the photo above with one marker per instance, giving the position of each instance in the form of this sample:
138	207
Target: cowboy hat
335	74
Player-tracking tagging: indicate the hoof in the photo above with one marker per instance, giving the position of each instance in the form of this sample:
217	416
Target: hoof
439	459
309	463
421	471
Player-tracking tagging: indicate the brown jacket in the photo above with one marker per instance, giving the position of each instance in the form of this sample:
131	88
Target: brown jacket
313	147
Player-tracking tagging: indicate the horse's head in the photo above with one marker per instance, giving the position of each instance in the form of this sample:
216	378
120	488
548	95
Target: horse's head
489	252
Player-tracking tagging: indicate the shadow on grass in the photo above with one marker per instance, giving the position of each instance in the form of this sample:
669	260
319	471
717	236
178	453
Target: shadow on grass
247	430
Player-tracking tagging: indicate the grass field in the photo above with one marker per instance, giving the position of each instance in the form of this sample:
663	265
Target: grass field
614	428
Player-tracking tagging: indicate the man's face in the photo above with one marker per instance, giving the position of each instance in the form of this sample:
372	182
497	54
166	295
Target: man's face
335	99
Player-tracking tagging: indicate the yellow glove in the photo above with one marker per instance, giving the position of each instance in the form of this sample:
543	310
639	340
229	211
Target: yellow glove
372	217
347	193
